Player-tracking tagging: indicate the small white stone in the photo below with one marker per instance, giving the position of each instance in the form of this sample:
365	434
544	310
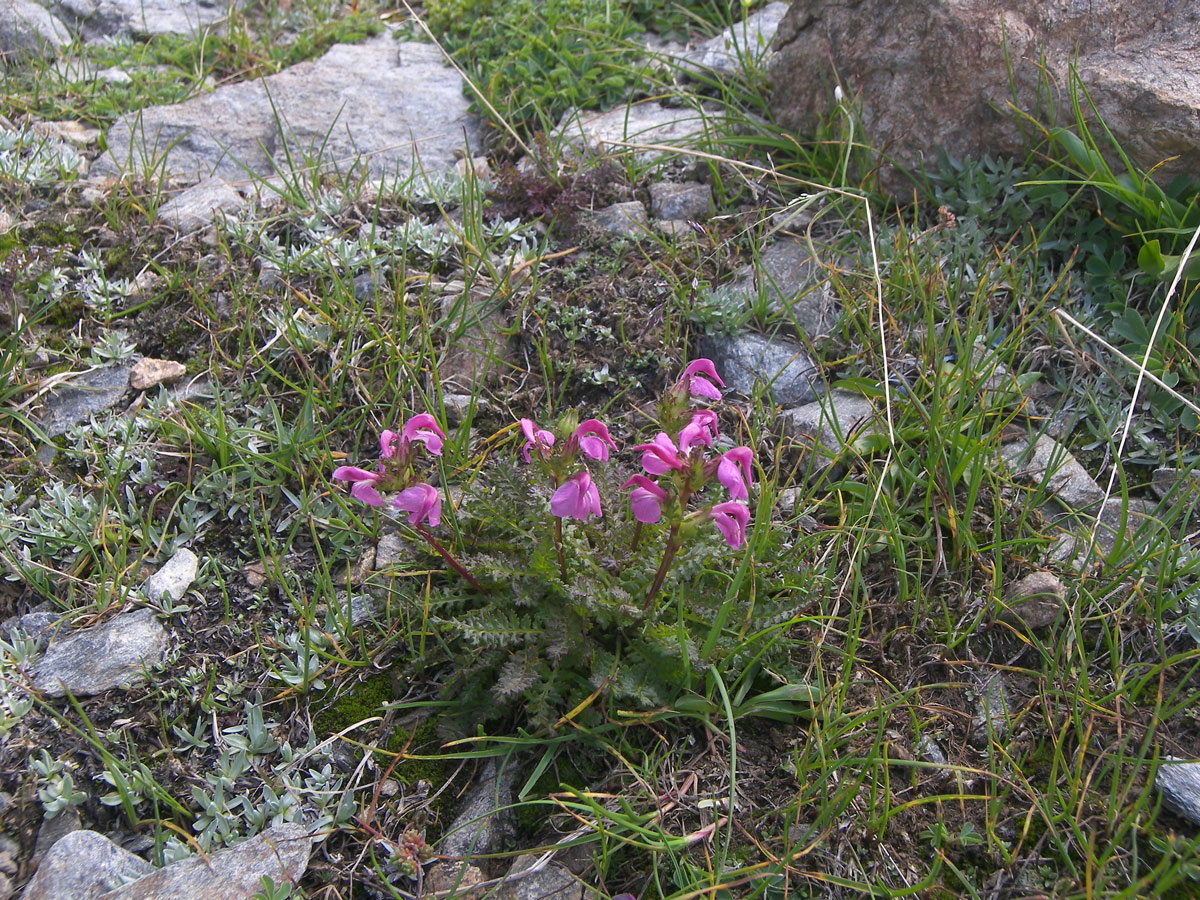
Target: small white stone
173	579
146	373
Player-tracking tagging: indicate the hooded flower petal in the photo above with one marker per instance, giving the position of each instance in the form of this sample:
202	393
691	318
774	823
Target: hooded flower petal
646	499
593	439
731	519
362	483
577	498
422	503
661	456
536	437
387	444
733	472
700	430
696	376
424	428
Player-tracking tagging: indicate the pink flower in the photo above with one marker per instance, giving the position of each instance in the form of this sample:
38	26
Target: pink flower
661	456
577	498
362	483
696	375
424	428
592	438
386	442
733	465
731	518
422	503
700	430
646	499
536	437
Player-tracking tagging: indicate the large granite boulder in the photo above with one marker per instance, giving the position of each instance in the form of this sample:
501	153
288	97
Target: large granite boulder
937	72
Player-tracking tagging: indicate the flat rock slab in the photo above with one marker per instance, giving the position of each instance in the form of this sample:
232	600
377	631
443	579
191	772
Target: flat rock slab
746	45
381	104
1048	462
96	19
97	659
81	865
198	206
823	427
787	277
27	28
640	124
82	397
232	874
780	366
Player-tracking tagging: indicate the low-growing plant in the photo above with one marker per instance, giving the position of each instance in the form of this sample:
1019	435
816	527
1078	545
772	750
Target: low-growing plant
562	605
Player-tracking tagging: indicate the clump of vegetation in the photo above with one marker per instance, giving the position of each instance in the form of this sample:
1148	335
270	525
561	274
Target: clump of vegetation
834	656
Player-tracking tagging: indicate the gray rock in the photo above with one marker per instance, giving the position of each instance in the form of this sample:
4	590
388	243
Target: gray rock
232	874
93	660
54	830
930	751
640	124
28	28
81	866
1050	463
43	626
1179	783
1137	524
672	201
175	577
386	106
197	207
991	711
788	278
1182	484
1035	601
527	880
824	426
365	285
390	551
84	396
776	364
742	47
943	73
97	19
455	407
623	219
483	819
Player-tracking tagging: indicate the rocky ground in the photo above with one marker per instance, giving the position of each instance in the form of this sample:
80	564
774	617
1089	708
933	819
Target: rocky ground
105	740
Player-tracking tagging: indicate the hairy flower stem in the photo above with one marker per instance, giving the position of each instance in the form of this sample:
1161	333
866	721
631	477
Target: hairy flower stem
673	545
450	560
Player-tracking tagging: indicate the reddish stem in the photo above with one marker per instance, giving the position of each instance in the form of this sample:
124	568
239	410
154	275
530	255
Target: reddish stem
673	545
450	560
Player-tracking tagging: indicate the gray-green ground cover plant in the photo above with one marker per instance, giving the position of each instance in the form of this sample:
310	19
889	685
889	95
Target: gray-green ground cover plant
846	703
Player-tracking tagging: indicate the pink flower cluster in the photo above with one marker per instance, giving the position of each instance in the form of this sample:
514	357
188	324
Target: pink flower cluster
686	467
681	463
576	497
395	471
